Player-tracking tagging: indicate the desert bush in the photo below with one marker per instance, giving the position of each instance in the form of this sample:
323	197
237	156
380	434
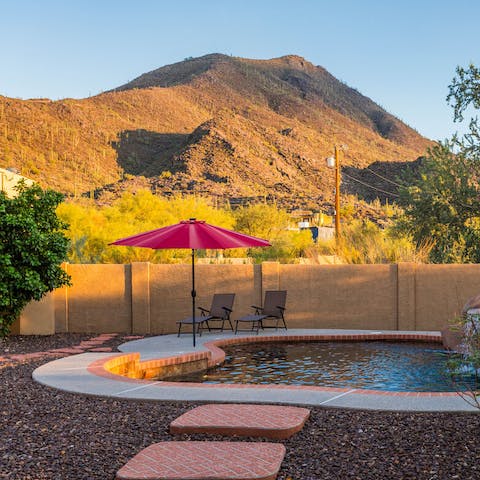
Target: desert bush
363	241
272	223
92	228
463	366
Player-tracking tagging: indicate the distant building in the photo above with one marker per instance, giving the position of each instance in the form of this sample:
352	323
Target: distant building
319	224
9	178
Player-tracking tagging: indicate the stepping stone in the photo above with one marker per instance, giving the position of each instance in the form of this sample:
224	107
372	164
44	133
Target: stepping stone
268	421
205	461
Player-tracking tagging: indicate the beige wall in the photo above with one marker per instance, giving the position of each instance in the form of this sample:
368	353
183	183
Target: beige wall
38	318
441	291
340	296
171	285
9	180
150	298
100	299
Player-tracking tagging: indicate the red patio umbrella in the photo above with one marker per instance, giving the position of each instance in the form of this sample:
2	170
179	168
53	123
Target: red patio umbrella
194	234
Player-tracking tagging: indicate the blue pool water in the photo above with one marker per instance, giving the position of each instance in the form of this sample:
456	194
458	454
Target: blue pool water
375	365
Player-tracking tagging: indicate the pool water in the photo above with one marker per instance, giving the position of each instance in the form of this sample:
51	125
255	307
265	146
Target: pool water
375	365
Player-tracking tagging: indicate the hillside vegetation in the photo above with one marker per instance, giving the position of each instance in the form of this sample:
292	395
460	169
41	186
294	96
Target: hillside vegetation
218	125
92	228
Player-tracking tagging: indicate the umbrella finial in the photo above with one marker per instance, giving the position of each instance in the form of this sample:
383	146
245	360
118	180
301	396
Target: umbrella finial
192	220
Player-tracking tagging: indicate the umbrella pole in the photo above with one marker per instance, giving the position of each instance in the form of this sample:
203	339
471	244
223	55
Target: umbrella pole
194	294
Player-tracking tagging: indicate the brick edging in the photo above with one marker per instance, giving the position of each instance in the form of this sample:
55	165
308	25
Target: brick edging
216	355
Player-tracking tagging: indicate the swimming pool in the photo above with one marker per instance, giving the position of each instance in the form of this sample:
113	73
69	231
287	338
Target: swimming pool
372	365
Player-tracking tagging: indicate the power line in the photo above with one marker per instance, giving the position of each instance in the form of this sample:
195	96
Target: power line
383	178
369	186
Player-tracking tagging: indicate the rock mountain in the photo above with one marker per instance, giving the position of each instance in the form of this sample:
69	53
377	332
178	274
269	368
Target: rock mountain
217	125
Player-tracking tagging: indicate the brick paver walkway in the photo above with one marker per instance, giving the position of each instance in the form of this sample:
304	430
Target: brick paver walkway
92	345
268	421
205	461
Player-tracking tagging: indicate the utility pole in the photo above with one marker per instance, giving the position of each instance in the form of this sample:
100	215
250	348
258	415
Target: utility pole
334	162
338	232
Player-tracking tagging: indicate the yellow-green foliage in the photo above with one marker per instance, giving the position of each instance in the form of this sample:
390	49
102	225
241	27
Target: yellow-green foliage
271	223
93	228
286	248
262	220
365	242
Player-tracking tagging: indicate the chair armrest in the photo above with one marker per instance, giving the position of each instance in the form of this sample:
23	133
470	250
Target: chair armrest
257	309
228	309
203	310
281	308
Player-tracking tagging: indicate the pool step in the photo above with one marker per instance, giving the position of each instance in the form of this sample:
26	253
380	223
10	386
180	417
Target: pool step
269	421
205	461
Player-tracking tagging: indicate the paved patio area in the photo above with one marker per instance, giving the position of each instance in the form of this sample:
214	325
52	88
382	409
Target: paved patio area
84	373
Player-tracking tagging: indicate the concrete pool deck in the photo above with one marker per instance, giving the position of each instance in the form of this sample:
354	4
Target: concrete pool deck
85	374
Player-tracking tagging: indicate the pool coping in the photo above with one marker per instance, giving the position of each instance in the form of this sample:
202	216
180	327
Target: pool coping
86	373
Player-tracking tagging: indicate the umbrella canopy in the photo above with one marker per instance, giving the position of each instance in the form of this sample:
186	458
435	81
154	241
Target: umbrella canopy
193	234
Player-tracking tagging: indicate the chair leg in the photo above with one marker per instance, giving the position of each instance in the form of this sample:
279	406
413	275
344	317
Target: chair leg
179	328
236	327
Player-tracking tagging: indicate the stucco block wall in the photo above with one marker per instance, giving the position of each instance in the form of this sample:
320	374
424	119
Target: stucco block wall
171	285
38	318
100	299
149	298
441	291
340	296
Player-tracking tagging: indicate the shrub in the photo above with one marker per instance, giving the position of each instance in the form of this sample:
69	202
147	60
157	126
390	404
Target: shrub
463	366
32	247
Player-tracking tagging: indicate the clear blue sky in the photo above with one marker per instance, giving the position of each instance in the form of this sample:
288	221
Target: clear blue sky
402	54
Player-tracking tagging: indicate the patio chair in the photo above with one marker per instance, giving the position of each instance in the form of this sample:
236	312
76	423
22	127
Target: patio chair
220	311
273	309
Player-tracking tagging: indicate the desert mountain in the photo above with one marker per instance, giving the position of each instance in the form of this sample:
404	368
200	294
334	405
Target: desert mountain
218	125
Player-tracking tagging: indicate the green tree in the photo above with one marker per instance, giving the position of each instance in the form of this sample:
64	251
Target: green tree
272	223
442	202
32	247
464	97
262	220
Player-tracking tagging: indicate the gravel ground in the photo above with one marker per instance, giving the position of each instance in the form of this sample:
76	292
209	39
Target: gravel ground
48	434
